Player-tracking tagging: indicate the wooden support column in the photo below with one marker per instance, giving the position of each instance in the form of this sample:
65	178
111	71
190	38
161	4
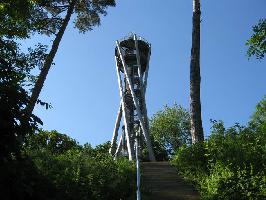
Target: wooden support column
129	146
148	142
138	60
119	146
142	87
117	125
147	70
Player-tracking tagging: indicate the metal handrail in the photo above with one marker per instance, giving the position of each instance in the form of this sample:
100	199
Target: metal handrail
131	36
138	167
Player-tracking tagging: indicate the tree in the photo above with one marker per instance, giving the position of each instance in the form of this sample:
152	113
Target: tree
257	42
15	77
230	164
170	128
52	141
87	15
17	18
195	104
258	119
21	18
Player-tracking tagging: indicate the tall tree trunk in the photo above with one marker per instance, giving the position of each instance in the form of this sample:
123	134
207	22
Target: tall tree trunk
195	104
48	61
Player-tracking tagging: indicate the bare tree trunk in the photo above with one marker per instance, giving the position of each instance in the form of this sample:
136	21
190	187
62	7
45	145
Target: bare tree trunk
195	104
48	61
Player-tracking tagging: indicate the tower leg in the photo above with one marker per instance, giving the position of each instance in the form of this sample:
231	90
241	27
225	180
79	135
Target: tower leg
119	147
143	85
117	125
147	138
147	71
129	146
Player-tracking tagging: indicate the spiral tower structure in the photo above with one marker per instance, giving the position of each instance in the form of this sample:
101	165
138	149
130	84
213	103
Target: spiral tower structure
132	55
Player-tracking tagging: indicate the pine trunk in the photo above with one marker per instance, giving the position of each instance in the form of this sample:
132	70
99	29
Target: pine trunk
195	104
48	62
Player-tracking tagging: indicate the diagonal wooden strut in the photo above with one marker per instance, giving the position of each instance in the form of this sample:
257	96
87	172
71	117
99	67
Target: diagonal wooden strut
117	125
142	91
119	147
131	88
125	117
147	70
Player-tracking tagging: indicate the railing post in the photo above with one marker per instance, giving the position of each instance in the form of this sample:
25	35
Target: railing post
137	165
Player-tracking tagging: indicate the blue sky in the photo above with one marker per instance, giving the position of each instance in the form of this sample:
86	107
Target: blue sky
82	85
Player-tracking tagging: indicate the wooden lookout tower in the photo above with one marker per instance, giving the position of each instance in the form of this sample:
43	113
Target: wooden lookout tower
132	55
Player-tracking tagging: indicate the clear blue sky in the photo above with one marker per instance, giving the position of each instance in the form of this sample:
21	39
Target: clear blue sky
82	86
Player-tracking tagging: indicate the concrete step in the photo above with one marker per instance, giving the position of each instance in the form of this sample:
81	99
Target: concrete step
164	183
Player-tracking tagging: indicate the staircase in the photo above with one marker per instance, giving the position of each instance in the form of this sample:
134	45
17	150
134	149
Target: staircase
161	180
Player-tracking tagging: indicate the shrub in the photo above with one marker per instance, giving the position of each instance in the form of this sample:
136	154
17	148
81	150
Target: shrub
169	129
231	164
81	172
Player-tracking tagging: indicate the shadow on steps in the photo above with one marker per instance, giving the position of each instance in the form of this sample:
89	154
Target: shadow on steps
160	181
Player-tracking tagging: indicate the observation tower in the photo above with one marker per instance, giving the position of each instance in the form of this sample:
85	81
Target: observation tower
132	55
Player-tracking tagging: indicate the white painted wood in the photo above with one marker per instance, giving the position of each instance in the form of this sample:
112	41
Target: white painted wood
144	130
118	147
117	125
147	70
129	147
145	117
138	58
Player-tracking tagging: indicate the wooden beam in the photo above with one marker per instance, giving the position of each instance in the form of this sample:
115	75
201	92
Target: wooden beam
129	146
138	59
118	147
142	88
148	142
147	70
117	125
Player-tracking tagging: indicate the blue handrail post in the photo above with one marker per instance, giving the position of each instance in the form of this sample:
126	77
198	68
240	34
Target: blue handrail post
138	167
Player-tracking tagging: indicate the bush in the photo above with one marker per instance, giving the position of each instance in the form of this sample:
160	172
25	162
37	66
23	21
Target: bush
169	129
231	164
191	161
81	172
21	180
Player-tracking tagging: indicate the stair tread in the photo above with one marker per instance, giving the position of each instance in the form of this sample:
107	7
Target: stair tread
164	183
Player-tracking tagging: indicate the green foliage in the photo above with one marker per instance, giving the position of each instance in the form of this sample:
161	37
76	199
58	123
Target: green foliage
159	151
257	42
190	160
170	128
258	120
21	18
231	164
19	65
52	165
80	172
17	18
87	14
15	81
211	186
224	183
21	180
52	141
